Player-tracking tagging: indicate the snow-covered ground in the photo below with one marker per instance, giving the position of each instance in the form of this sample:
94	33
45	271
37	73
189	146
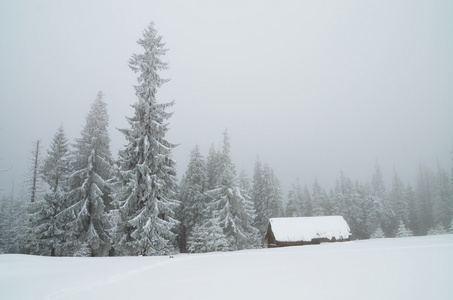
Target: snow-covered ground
405	268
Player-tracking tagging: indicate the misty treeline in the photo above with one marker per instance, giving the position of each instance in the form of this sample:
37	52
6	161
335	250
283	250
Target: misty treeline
80	201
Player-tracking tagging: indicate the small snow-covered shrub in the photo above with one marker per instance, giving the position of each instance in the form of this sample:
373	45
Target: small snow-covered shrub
378	234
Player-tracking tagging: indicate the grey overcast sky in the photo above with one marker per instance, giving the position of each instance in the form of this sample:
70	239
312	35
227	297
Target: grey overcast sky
313	87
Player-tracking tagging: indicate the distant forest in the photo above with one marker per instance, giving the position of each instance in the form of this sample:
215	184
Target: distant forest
80	201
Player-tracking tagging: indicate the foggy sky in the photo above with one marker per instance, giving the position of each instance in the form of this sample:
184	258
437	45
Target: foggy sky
312	87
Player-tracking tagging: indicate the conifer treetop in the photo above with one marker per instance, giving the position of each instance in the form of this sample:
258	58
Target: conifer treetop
148	64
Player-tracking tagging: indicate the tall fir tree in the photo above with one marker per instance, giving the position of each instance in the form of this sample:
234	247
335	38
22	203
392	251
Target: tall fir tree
399	201
307	202
364	201
319	198
345	197
213	168
35	191
89	191
413	222
442	198
146	217
245	184
295	206
47	229
268	198
258	193
14	223
424	200
378	201
192	196
231	206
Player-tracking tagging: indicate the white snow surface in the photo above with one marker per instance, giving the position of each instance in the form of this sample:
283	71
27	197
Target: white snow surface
308	228
400	268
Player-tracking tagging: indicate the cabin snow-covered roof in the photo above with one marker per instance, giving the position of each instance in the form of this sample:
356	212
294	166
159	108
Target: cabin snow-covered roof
309	228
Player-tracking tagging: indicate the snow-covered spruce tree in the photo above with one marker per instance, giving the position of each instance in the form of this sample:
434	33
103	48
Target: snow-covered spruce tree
307	202
267	197
381	212
146	202
424	198
442	198
47	233
318	199
437	230
9	209
413	222
378	233
345	204
208	237
399	201
402	231
258	194
55	166
213	168
249	209
85	214
231	206
365	207
245	184
192	197
15	222
295	205
4	223
34	188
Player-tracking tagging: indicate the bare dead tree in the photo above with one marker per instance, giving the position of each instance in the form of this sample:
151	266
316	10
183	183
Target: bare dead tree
34	173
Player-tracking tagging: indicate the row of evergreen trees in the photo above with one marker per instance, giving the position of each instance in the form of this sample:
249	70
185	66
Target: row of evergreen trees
93	205
372	210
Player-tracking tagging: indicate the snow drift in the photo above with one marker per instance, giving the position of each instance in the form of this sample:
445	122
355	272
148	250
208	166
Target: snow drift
401	268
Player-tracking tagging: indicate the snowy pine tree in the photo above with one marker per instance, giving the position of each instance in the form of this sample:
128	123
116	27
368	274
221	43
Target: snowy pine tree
231	206
258	194
437	230
213	168
378	233
146	201
413	222
402	231
399	200
268	198
365	211
424	198
245	184
307	202
442	198
208	237
345	197
47	233
295	206
378	197
85	214
14	222
319	197
34	189
192	196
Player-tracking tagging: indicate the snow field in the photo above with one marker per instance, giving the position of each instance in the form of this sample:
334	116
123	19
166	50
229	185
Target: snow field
404	268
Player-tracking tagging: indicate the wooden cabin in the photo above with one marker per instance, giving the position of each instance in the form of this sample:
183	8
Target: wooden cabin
283	232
